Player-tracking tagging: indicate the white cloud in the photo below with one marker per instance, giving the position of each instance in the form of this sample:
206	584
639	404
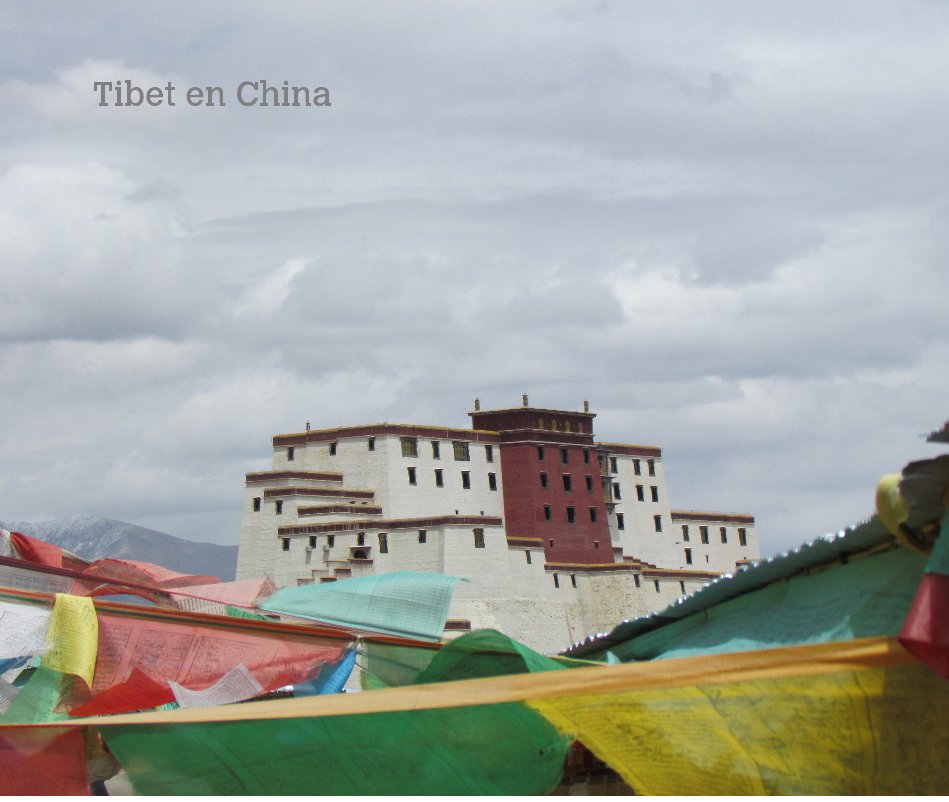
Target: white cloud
727	230
265	297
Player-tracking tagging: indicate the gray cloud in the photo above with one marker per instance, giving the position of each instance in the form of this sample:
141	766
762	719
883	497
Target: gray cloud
727	230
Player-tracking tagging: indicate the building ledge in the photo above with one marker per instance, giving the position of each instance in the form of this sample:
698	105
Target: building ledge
713	517
389	525
340	509
303	476
331	492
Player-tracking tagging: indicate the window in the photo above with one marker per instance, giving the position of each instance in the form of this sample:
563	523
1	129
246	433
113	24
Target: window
564	456
412	476
312	541
409	446
616	492
422	536
589	482
257	504
383	543
439	478
682	586
613	465
361	539
688	556
436	450
640	493
546	512
651	465
543	479
742	537
285	543
620	521
371	443
586	456
636	579
685	532
657	521
703	532
540	452
567	482
479	538
333	449
723	534
331	540
492	481
466	480
654	492
571	515
489	453
556	581
656	583
527	554
592	515
596	544
573	579
637	467
278	507
461	451
290	452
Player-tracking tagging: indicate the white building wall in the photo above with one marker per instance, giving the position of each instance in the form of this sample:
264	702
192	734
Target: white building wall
716	555
505	591
639	537
385	471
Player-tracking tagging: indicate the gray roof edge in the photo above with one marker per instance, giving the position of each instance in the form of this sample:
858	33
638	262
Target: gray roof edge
820	551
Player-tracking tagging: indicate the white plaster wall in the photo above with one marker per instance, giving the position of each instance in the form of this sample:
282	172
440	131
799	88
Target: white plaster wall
640	538
505	592
385	471
715	556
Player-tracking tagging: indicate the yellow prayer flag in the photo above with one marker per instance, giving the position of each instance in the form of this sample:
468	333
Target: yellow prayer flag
848	732
73	636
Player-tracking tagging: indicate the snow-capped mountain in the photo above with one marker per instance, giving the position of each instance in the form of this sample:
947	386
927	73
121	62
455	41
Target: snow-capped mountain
93	538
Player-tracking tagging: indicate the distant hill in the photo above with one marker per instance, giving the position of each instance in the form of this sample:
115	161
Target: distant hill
94	538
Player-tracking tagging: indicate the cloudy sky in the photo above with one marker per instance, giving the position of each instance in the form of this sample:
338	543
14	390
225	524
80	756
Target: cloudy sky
726	225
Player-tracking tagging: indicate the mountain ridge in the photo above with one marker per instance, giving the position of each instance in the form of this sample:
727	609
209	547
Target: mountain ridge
94	537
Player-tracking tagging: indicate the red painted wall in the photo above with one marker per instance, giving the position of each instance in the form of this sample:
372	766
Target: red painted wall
524	501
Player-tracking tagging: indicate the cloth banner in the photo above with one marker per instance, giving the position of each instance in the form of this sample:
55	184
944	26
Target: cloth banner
926	630
879	731
403	603
197	656
496	749
43	762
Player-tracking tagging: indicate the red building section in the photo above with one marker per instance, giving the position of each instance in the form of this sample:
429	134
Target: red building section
551	482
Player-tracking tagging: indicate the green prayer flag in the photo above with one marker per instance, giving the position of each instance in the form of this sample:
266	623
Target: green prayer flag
404	603
488	749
